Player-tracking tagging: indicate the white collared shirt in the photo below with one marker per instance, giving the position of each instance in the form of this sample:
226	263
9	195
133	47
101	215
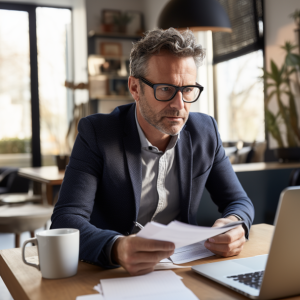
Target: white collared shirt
160	191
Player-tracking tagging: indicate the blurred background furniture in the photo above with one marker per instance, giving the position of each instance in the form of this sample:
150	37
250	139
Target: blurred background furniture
263	183
15	189
23	217
295	177
240	152
50	177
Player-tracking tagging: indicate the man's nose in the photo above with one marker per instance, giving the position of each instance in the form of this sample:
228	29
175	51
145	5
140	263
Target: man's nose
177	101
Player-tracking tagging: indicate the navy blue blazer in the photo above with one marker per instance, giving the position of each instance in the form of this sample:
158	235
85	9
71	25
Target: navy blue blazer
101	191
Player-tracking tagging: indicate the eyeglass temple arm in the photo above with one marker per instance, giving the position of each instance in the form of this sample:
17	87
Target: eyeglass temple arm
146	81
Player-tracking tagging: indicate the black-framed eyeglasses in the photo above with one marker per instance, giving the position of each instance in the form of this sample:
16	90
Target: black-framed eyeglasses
166	92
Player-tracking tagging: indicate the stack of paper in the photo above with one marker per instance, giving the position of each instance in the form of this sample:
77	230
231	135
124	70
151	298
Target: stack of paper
182	234
159	285
188	239
189	253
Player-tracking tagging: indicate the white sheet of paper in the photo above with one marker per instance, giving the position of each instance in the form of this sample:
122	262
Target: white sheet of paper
182	234
190	253
159	285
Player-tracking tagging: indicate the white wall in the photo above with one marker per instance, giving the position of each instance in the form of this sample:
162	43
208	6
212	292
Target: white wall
152	9
279	27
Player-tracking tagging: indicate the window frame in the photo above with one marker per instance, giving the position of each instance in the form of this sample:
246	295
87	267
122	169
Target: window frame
36	156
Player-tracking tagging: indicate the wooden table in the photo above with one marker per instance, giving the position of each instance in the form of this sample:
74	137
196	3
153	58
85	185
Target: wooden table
262	166
47	176
50	176
26	283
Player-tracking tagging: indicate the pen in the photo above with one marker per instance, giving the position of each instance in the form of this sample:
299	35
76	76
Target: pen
137	224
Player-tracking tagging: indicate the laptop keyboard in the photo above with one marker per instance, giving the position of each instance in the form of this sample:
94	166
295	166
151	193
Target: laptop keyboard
251	279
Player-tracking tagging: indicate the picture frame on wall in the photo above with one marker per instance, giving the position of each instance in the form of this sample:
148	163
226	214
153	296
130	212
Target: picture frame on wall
108	20
111	49
108	15
136	25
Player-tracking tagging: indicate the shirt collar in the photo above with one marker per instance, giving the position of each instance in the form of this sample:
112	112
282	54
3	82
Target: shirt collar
145	144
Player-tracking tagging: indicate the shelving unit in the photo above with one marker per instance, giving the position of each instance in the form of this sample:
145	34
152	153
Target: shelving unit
93	36
108	75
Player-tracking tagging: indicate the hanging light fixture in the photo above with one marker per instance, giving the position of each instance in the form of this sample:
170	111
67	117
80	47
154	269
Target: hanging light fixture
197	15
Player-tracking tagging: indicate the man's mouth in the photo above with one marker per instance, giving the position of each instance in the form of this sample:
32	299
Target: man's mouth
174	118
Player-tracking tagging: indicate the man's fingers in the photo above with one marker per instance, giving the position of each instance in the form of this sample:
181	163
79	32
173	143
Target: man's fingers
234	252
143	271
140	269
229	236
224	248
154	257
141	244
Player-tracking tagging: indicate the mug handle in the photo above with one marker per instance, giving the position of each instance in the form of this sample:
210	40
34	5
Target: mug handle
33	240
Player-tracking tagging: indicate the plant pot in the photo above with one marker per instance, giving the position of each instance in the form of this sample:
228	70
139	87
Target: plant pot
62	161
288	154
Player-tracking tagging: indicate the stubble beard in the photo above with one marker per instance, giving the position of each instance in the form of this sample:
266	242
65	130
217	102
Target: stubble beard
156	119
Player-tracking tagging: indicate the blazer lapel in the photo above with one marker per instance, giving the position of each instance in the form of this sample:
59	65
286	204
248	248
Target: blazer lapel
132	146
184	160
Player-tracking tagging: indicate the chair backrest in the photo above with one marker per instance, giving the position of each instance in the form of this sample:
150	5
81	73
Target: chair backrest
14	184
295	178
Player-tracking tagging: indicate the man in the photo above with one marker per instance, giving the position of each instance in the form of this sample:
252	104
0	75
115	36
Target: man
150	161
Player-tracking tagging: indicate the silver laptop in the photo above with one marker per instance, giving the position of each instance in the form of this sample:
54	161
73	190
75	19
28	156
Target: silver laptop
273	275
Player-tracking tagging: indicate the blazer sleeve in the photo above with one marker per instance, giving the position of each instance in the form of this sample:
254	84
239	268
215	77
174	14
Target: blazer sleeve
77	195
225	189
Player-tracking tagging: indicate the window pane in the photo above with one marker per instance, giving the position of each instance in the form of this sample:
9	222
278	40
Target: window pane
241	98
53	40
15	95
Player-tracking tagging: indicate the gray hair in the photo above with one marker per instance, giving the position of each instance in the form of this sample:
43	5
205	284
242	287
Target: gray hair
178	43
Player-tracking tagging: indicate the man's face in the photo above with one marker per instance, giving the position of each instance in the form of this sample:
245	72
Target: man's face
167	117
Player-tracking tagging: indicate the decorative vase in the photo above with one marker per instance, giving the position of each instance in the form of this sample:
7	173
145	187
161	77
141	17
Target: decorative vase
62	161
288	154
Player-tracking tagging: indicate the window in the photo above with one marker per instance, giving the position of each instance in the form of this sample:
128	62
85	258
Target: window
35	60
15	92
54	67
240	105
238	60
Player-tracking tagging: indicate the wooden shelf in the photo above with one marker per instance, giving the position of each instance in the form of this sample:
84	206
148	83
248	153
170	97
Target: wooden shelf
113	35
93	36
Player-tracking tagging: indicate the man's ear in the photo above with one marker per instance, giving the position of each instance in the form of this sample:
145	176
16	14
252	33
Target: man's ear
134	88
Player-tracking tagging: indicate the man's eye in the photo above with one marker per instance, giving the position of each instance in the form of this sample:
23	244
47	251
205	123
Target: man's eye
188	90
165	89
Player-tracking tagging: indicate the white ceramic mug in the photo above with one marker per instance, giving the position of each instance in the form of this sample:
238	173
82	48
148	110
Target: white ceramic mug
58	252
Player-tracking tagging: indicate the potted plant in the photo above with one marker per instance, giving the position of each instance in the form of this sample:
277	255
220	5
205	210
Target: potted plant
121	21
283	86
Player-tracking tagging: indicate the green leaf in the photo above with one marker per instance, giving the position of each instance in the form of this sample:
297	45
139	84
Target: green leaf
292	59
270	96
275	71
273	127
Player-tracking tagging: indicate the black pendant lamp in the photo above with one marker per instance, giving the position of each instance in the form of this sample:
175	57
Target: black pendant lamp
197	15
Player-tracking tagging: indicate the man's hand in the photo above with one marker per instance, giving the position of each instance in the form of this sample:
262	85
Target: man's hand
138	255
229	243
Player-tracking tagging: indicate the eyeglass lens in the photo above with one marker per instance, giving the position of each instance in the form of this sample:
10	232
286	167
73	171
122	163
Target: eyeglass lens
166	92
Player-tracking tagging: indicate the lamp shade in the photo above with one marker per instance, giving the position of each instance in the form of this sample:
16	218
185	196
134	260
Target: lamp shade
197	15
